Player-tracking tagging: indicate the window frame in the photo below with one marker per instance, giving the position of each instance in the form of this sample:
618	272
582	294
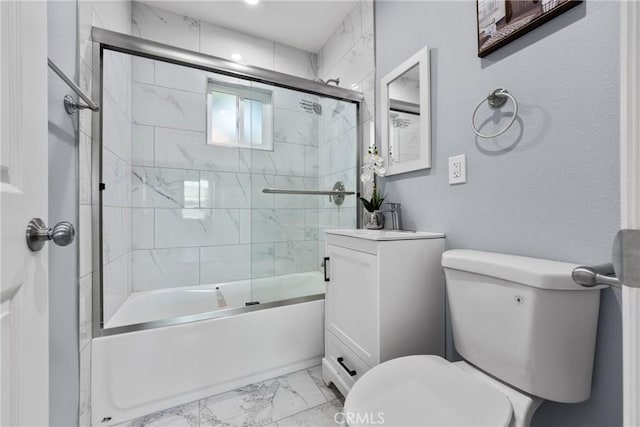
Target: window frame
241	93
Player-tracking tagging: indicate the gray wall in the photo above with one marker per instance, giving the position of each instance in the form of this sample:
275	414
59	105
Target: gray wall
63	206
547	188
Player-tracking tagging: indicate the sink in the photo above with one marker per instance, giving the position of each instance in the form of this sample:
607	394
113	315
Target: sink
386	234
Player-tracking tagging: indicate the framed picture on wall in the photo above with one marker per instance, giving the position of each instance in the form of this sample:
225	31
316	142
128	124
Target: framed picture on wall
502	21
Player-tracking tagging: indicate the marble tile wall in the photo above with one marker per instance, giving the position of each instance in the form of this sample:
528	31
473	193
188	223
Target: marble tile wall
113	15
182	31
198	212
349	55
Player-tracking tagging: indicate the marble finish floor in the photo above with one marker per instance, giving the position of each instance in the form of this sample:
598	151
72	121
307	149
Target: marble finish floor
297	399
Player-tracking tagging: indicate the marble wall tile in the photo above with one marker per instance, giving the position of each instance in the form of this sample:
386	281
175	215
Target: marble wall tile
245	226
84	240
180	77
277	225
165	188
158	106
84	405
84	169
188	150
368	87
343	151
367	15
222	42
179	416
357	63
262	403
114	126
116	177
112	244
296	62
289	99
258	198
291	201
143	70
196	227
263	260
296	257
225	263
117	79
165	268
84	311
142	145
311	166
225	190
296	127
114	15
285	159
342	40
115	284
164	26
311	224
142	225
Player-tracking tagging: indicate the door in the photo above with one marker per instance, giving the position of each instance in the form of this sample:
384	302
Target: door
352	301
24	314
630	198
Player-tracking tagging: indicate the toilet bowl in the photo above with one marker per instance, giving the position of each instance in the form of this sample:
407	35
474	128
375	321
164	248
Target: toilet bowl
526	333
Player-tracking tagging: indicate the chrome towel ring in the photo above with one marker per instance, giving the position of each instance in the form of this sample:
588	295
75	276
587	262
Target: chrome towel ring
496	99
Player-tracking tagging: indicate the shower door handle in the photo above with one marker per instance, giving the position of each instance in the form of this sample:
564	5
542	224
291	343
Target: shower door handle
324	264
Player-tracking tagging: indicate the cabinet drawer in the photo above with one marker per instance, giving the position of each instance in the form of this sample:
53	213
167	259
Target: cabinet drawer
343	360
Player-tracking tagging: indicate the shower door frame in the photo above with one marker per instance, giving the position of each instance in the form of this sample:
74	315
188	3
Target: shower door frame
110	40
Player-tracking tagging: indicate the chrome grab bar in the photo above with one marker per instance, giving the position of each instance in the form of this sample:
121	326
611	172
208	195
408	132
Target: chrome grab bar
310	192
596	275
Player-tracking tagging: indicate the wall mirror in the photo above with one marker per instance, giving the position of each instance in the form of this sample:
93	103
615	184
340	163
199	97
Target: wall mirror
405	107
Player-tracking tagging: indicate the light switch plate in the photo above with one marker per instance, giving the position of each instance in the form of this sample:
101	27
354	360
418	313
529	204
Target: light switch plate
458	169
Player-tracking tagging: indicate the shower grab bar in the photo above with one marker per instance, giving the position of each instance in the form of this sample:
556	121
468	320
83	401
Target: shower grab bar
310	192
69	104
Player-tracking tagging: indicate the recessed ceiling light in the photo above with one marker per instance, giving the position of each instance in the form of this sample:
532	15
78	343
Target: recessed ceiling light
236	56
252	1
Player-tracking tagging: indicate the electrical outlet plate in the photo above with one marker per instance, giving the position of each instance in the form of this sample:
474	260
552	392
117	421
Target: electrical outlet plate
458	169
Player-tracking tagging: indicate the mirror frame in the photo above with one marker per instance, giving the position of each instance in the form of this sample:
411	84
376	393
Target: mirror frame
420	58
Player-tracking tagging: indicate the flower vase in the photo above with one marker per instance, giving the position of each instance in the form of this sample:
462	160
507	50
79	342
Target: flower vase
373	220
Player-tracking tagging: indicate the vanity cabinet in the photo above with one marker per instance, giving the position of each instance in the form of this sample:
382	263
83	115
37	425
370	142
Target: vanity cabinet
384	299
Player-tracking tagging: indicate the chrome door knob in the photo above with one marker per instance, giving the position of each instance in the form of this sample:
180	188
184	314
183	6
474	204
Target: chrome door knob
38	233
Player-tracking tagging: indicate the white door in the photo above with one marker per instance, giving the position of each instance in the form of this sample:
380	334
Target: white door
630	198
24	316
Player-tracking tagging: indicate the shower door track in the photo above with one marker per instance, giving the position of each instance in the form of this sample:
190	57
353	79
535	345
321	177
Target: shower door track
141	47
104	39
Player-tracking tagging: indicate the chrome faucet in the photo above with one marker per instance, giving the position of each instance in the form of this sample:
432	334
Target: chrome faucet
396	214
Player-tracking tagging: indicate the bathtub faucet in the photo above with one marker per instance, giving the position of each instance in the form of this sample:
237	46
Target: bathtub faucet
396	214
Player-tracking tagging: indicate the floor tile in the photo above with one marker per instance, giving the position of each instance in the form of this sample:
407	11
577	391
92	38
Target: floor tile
316	374
180	416
320	416
262	403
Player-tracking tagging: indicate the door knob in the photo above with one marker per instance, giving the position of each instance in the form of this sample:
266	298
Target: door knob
38	233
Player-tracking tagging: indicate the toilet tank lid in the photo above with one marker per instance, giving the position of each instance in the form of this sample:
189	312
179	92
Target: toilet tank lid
536	272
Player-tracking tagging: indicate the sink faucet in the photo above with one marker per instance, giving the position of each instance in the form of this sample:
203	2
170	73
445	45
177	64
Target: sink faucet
396	214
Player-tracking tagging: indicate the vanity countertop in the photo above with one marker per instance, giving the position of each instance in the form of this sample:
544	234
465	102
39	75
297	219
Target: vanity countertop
362	233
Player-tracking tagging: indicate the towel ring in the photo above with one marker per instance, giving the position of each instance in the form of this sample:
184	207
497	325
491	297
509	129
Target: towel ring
496	99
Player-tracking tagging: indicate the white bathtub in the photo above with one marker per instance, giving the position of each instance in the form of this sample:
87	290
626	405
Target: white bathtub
140	372
147	306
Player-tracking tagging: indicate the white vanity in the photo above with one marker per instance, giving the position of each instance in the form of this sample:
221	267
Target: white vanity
384	299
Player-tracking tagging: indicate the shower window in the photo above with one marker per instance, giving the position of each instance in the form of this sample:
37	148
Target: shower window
239	116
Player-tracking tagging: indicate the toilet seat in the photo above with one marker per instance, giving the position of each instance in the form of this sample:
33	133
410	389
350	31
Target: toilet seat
424	391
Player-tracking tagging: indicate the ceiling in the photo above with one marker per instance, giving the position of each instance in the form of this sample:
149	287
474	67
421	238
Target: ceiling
305	24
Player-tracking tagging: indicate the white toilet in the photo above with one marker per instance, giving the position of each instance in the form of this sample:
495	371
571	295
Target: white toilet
526	331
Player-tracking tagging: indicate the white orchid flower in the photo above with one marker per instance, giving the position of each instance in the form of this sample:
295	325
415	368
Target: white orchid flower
373	165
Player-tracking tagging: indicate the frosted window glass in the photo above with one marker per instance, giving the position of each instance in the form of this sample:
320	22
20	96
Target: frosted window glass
253	121
224	118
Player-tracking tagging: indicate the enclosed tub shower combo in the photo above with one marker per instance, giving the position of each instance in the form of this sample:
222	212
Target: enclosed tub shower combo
212	184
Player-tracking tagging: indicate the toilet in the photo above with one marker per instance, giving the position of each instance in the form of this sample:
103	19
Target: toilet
526	333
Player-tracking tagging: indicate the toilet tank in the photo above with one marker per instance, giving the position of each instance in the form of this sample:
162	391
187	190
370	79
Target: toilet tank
524	321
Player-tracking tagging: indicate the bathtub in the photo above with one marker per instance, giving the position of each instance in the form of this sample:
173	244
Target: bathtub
147	370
